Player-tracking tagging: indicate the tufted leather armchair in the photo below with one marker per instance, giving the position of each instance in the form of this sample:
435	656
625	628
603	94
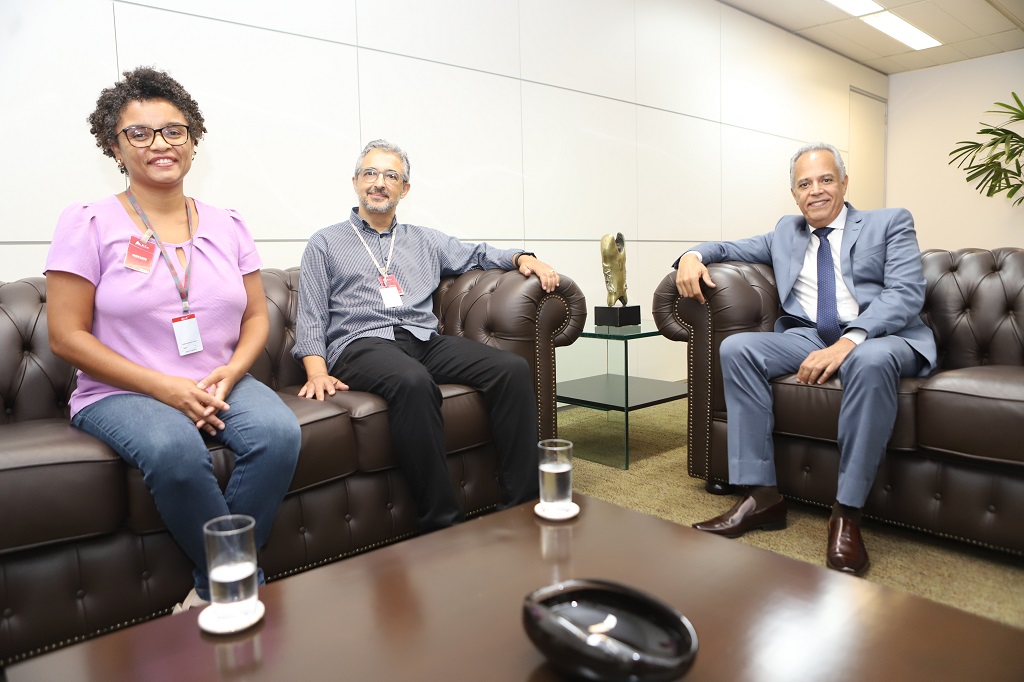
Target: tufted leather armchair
955	462
82	548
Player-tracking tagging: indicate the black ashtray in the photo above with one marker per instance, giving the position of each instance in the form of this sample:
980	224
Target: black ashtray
606	631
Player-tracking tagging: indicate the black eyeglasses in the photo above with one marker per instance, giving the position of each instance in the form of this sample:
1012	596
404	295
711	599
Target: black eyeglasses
391	177
175	134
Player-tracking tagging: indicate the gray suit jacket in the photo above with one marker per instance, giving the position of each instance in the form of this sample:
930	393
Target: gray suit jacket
880	262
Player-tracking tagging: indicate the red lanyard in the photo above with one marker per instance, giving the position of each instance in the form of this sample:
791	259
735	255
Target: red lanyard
182	288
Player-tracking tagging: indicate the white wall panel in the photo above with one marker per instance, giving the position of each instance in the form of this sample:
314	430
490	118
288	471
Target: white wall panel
55	57
463	134
678	53
470	33
585	45
580	260
579	164
755	182
26	260
282	254
777	83
649	264
326	19
679	167
279	110
929	111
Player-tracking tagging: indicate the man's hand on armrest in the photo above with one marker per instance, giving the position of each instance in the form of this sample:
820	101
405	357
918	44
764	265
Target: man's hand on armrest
689	275
318	380
548	276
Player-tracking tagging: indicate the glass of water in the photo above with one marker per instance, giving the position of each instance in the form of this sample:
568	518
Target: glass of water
231	564
555	477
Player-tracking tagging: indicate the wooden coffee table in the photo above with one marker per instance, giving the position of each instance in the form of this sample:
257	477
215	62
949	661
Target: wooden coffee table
447	606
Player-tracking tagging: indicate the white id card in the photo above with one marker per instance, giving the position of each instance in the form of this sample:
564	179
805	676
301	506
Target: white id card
391	297
186	333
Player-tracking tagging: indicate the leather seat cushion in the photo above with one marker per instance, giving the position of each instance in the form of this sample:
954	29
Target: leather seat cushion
794	402
463	411
56	484
974	411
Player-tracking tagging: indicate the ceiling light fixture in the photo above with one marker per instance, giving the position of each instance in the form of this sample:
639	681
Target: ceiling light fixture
897	28
857	8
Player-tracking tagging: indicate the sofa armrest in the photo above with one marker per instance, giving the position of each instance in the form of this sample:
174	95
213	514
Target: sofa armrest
506	310
744	299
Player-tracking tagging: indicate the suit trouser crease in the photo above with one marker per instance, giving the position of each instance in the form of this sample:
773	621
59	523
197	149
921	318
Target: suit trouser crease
177	467
869	376
406	373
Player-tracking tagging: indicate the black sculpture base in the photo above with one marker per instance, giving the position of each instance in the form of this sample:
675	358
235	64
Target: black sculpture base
616	316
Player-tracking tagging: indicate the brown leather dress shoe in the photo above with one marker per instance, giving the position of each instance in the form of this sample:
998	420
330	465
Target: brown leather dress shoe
746	516
846	552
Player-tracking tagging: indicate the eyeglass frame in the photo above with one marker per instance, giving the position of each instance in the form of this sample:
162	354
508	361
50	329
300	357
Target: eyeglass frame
188	133
380	173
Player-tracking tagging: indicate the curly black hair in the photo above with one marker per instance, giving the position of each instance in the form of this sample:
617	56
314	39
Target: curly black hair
144	83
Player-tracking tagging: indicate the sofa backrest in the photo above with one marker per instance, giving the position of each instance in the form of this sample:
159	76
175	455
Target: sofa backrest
34	383
974	303
275	366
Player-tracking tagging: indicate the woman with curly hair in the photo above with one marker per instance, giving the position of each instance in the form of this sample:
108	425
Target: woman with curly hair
156	299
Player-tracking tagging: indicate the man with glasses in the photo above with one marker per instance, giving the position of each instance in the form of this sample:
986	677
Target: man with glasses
366	322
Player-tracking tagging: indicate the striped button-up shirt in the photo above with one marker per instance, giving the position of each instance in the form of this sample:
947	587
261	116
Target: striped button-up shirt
339	289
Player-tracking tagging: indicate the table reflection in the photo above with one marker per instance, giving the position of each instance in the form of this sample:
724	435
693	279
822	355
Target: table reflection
239	656
556	548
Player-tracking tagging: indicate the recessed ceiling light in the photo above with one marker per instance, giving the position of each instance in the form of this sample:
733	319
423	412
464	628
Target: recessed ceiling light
909	35
857	8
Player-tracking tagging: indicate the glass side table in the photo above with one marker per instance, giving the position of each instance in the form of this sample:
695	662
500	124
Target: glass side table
617	392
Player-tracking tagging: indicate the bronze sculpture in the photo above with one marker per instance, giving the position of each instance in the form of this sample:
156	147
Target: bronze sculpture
613	262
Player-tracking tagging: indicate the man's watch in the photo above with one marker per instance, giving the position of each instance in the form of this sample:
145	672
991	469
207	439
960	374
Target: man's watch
515	258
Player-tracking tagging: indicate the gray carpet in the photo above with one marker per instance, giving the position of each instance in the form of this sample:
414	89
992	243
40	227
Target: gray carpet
980	581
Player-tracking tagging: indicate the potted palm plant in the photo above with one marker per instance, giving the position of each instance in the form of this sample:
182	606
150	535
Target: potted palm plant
995	162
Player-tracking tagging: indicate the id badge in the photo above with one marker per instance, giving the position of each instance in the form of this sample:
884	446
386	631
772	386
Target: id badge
186	333
390	281
391	297
140	255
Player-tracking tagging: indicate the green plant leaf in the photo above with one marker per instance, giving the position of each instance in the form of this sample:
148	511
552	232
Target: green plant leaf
994	163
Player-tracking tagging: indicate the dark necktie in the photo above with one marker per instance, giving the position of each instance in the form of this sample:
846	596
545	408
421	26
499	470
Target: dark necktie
828	314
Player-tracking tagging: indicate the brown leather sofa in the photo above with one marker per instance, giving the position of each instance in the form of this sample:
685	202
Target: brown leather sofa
955	463
82	548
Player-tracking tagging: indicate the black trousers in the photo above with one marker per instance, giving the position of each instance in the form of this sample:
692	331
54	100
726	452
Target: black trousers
406	373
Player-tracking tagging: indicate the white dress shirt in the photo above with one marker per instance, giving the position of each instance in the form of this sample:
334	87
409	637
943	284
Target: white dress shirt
805	289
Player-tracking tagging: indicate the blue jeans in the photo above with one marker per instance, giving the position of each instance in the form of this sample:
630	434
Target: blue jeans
177	467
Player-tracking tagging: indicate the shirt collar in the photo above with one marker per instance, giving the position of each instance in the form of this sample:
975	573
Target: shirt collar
357	219
840	222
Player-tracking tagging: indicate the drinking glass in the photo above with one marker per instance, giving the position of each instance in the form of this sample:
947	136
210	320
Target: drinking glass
231	564
555	475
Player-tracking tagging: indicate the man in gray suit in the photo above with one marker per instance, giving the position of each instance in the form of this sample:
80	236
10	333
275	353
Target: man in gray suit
860	319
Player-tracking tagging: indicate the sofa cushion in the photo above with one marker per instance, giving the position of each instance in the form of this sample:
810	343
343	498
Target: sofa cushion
465	423
56	484
975	412
793	401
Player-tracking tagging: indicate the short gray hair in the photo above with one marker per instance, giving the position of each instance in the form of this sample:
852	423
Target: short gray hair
816	147
386	146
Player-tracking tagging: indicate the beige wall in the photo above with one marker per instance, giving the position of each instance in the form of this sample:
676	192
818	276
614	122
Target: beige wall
537	123
929	112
